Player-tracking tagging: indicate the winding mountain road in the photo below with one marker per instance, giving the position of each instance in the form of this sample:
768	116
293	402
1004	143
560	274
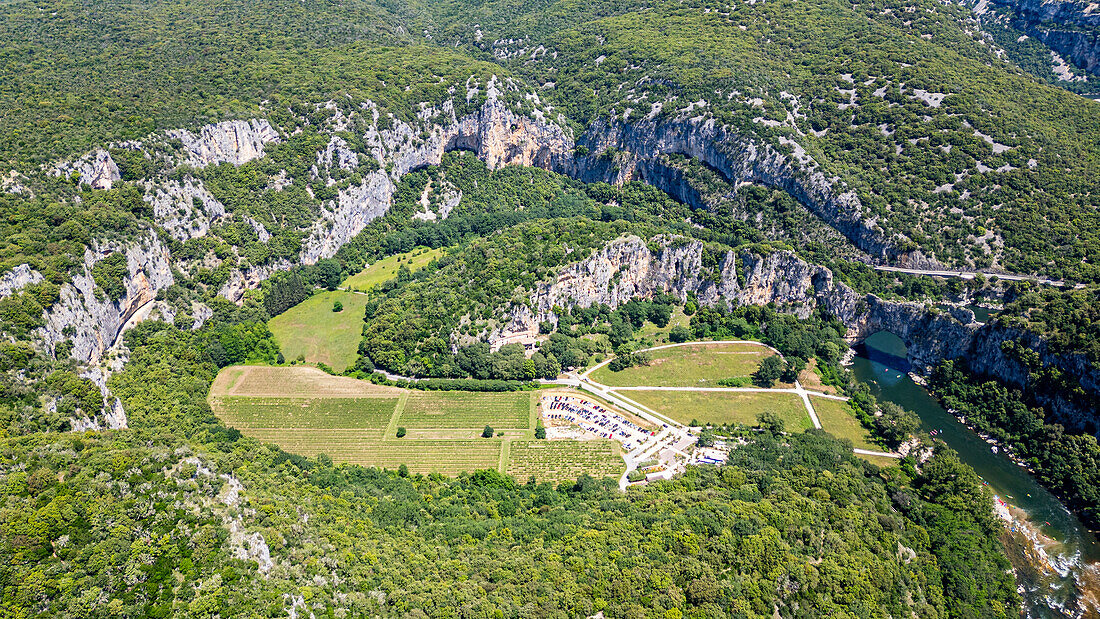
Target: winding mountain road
1012	277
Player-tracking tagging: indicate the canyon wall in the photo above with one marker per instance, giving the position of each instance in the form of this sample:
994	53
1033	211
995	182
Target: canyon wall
627	268
1069	28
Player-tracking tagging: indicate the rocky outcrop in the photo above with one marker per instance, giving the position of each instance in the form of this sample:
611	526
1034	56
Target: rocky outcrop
232	141
96	169
619	152
1070	28
496	134
18	278
93	322
241	281
186	210
628	268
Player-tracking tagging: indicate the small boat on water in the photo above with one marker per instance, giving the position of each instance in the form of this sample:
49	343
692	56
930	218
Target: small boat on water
994	449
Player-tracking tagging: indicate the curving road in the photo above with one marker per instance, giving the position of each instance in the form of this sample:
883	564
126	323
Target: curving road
1012	277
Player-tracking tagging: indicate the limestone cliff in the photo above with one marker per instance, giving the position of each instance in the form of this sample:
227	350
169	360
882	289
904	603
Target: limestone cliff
94	322
232	141
628	268
619	152
17	278
1071	28
495	133
185	209
96	169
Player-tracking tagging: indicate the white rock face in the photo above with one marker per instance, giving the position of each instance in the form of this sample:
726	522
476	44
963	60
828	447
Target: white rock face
94	322
232	141
240	281
498	136
96	169
19	277
337	154
258	227
174	207
355	207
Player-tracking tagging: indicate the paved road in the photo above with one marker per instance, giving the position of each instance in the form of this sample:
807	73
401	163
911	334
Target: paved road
816	394
1013	277
884	454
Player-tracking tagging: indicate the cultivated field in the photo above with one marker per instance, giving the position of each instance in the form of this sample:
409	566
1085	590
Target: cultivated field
386	268
308	412
559	461
254	412
312	329
696	365
839	420
445	457
719	408
466	409
294	381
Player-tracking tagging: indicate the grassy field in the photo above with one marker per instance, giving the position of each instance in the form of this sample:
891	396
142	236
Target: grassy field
467	409
559	461
811	380
724	407
880	461
386	268
837	419
696	365
312	329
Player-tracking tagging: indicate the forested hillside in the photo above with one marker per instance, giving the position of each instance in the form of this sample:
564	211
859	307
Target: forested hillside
176	173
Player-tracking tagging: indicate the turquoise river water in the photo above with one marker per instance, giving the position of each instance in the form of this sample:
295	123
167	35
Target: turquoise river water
1057	559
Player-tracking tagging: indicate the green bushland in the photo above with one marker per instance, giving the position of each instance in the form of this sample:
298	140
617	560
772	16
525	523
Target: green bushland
700	365
720	408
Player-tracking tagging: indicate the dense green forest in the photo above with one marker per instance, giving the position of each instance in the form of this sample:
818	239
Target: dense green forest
949	144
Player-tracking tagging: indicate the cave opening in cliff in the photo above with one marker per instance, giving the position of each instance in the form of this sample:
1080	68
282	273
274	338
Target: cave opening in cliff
885	348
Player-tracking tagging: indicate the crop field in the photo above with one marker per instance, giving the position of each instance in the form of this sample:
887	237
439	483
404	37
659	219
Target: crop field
386	268
315	413
368	449
720	407
308	412
467	409
293	381
559	461
313	330
696	365
838	419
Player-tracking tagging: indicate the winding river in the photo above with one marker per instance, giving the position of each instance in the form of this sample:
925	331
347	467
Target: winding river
1057	559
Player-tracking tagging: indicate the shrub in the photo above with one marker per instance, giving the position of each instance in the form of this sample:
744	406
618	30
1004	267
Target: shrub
487	432
401	432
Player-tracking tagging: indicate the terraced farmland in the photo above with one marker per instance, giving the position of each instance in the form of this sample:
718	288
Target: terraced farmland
314	413
466	409
560	461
